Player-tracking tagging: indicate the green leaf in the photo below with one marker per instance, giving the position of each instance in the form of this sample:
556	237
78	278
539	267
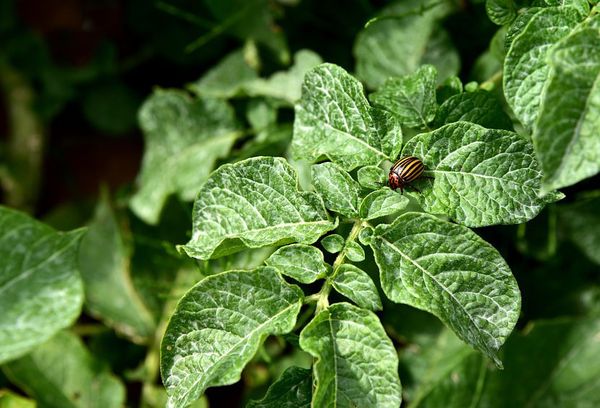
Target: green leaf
354	251
380	203
333	243
339	191
481	176
62	373
254	203
218	326
292	390
566	374
184	137
302	262
501	12
450	87
406	36
227	78
581	221
447	270
410	97
566	132
285	85
104	265
357	285
40	288
9	399
334	119
356	364
526	67
372	177
480	107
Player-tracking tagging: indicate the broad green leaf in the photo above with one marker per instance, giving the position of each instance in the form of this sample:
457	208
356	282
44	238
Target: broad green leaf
380	203
254	203
481	176
372	177
410	97
218	326
581	221
565	375
227	78
333	243
40	288
302	262
184	137
526	67
104	263
292	390
357	285
447	270
354	251
406	36
285	85
334	119
339	191
9	399
566	132
480	107
62	373
501	12
356	364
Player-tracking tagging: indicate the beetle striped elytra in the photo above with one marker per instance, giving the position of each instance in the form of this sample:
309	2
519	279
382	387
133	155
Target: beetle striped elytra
404	171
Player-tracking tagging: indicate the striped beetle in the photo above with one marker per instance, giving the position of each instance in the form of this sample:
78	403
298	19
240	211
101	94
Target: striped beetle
404	171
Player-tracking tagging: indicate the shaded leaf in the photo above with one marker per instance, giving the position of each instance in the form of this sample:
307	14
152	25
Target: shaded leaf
410	97
581	220
339	191
254	203
218	326
40	288
356	362
447	270
480	107
184	137
62	373
380	203
334	119
302	262
357	285
292	390
481	176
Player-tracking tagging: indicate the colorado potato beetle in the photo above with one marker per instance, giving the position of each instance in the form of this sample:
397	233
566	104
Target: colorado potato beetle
404	171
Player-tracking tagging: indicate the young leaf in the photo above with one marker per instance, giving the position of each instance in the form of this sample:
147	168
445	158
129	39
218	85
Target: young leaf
410	97
63	373
501	12
525	67
293	389
357	285
380	203
354	251
356	364
104	265
480	107
40	288
184	137
334	119
254	203
372	177
218	326
582	223
226	79
302	262
285	85
398	45
339	191
566	132
447	270
481	176
333	243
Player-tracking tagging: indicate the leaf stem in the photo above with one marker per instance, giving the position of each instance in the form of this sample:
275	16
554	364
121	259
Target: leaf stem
323	295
